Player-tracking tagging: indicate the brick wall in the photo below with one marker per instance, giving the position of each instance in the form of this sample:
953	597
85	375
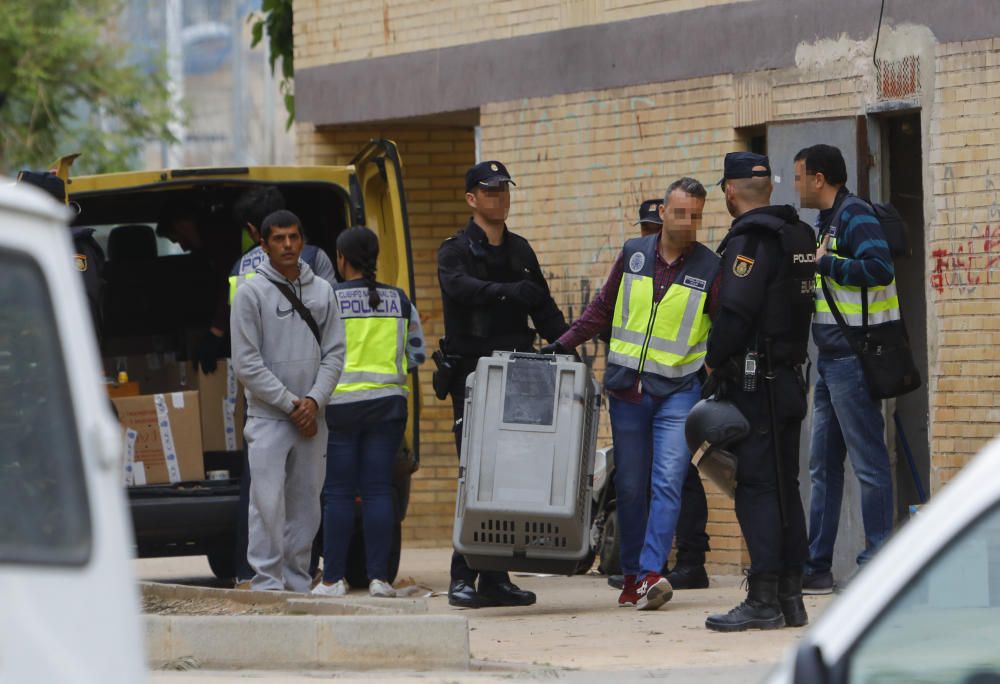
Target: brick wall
330	32
964	254
583	163
434	163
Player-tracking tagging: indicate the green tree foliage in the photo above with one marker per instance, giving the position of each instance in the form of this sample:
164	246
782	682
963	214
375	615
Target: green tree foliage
66	86
275	18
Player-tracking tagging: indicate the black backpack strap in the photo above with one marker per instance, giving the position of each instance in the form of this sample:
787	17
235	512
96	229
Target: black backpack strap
300	309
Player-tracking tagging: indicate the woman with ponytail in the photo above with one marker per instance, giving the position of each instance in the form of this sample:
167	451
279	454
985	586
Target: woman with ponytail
367	413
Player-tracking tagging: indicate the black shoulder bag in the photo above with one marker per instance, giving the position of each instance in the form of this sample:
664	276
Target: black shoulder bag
884	351
300	309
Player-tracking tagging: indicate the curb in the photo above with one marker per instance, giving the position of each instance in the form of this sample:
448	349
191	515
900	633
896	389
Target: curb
419	642
287	602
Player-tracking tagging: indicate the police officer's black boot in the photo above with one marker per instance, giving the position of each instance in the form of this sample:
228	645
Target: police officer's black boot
790	599
760	610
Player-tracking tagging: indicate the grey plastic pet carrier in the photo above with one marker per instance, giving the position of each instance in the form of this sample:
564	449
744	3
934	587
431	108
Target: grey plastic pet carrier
528	439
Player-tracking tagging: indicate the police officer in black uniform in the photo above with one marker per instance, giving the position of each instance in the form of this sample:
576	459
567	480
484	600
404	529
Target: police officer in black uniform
755	351
491	284
88	256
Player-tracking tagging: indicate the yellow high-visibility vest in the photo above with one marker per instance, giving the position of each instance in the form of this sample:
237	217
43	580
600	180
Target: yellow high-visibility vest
883	301
667	338
375	363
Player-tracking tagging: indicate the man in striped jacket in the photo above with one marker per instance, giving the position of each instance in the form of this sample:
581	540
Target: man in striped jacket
854	262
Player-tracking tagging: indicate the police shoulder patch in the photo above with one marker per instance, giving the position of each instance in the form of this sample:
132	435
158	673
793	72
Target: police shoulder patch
742	266
636	262
80	261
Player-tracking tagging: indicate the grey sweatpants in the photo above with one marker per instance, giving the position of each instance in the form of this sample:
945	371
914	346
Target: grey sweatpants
286	477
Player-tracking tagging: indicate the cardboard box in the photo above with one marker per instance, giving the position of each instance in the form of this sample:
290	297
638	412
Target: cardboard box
223	407
162	438
125	389
222	401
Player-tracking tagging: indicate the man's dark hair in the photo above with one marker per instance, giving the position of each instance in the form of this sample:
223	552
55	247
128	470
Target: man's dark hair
687	185
256	204
828	160
280	219
801	154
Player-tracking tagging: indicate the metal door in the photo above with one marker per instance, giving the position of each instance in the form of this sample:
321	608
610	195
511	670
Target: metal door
784	141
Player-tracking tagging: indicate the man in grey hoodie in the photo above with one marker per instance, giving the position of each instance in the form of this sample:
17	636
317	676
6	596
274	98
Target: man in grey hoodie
289	365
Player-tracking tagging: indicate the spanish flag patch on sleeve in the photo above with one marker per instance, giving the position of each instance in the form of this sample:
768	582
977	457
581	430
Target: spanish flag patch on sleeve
742	266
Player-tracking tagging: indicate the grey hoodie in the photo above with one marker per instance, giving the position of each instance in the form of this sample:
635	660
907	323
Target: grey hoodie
275	354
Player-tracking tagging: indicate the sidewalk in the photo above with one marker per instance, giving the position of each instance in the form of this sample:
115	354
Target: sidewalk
576	625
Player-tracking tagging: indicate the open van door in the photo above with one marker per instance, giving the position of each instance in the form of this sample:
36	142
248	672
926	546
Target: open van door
69	601
380	181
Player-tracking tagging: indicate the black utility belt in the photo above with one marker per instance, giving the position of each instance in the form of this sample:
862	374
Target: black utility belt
747	370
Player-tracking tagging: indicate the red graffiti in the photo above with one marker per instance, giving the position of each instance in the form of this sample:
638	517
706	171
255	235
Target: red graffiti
963	267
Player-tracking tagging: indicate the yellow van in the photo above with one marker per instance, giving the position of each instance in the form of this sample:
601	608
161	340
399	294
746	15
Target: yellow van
158	299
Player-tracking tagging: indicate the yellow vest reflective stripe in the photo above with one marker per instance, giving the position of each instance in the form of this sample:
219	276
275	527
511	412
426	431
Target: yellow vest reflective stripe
237	280
667	338
375	362
883	302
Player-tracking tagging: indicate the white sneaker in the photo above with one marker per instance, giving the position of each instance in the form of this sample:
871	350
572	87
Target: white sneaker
338	588
381	589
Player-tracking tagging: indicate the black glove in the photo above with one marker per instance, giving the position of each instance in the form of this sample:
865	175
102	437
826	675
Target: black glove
208	352
524	292
554	348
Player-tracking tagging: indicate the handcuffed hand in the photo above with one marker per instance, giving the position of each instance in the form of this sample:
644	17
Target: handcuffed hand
309	430
304	415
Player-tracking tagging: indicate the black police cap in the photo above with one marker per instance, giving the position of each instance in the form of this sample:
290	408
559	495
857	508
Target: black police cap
649	212
741	165
487	174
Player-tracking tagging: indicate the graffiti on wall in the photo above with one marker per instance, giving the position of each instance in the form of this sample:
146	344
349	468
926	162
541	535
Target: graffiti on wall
964	264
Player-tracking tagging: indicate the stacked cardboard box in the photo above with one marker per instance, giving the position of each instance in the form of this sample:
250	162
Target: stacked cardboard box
162	438
202	413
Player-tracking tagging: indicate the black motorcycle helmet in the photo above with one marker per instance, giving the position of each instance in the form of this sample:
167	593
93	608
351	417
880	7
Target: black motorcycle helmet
715	421
711	426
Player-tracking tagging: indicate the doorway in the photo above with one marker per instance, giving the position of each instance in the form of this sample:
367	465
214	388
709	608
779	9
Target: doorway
902	186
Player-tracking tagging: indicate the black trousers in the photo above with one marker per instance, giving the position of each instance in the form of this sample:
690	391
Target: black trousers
460	570
692	540
775	548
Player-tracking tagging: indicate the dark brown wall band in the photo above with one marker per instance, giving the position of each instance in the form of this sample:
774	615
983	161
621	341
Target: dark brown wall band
737	38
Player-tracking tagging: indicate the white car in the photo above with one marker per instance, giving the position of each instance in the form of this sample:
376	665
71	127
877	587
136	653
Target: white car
69	604
927	608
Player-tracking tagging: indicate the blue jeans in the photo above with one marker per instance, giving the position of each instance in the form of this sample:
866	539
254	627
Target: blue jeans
651	463
360	462
846	419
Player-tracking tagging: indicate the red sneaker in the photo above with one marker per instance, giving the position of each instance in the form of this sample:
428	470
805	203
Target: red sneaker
653	591
628	598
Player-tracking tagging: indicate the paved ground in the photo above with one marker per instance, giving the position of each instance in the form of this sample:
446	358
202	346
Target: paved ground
575	632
